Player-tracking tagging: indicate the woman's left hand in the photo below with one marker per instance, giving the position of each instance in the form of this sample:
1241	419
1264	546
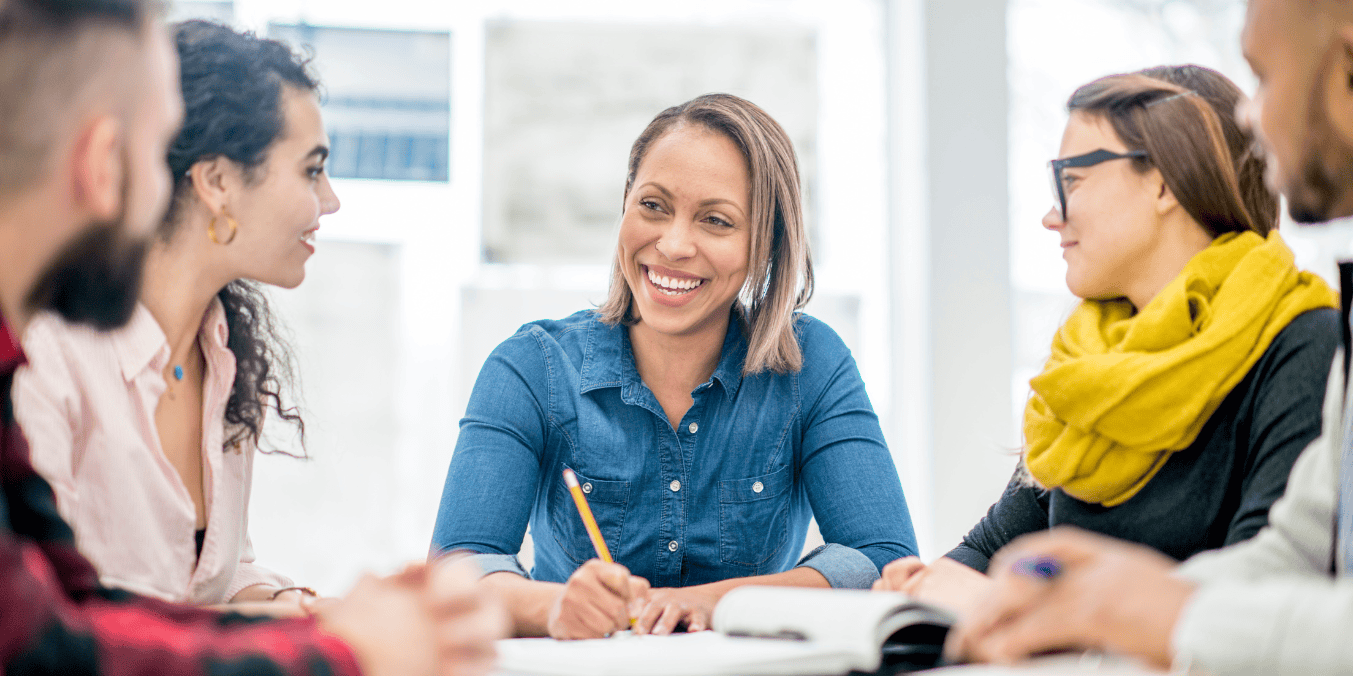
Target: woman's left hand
668	607
897	575
948	583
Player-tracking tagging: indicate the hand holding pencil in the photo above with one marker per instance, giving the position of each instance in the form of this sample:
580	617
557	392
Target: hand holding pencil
597	599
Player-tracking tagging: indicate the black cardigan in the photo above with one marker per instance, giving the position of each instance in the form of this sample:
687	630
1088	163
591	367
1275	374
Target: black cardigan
1215	492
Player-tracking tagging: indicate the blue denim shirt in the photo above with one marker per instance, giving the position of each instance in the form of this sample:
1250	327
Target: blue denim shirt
728	493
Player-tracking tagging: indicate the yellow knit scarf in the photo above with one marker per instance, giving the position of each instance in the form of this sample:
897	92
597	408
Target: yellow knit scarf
1122	391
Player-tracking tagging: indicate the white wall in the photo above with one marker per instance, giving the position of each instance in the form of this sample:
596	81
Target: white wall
360	504
950	253
934	122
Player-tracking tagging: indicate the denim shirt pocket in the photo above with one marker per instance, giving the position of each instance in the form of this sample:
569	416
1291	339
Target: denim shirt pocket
754	517
608	501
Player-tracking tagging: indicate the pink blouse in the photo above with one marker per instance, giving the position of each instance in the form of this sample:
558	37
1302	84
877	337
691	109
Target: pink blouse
86	401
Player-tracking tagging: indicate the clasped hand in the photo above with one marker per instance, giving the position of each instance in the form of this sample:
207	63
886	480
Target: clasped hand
601	598
1107	594
429	620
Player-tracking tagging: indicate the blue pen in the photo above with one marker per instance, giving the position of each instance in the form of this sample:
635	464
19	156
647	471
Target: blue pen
1040	567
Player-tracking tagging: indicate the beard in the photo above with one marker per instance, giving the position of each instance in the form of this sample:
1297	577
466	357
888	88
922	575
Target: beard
1319	193
1321	187
1311	197
95	280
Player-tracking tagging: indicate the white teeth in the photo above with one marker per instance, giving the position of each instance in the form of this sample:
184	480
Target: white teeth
308	236
672	286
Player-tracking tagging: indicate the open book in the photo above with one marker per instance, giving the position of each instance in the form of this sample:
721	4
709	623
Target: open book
758	631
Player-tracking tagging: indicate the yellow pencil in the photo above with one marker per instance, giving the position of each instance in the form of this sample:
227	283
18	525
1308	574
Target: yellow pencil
589	521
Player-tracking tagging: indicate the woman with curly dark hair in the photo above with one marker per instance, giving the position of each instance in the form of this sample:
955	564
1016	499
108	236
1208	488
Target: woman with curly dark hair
148	433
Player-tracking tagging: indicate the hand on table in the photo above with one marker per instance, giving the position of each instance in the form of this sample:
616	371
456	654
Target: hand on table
668	607
290	608
268	601
427	620
468	618
1109	594
596	601
945	582
898	575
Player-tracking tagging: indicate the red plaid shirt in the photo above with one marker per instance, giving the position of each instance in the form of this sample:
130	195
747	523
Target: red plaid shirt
55	618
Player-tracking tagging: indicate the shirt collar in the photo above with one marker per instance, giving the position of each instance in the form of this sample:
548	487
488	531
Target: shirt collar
142	343
214	327
729	370
608	345
608	360
11	353
139	343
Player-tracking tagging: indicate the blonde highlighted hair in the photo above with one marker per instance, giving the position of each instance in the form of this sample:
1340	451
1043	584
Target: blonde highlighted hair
780	270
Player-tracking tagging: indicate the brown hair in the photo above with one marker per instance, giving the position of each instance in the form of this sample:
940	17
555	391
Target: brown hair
1184	118
52	54
780	270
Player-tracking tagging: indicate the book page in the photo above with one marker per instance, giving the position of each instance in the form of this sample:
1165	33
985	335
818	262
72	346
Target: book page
859	621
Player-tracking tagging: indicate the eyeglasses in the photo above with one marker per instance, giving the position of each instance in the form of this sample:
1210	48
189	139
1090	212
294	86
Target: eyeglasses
1089	159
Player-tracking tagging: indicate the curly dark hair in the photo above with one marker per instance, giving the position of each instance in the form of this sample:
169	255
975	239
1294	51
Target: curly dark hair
232	96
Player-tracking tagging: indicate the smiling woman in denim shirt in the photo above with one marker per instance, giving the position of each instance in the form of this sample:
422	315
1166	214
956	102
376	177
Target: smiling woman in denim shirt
706	419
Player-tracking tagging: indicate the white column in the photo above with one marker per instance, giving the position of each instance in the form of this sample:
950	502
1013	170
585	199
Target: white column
951	422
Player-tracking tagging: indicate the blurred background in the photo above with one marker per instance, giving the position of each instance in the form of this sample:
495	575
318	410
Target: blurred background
479	151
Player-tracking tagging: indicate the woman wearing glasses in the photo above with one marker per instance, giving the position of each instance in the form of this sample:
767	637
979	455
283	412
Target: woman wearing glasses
1181	390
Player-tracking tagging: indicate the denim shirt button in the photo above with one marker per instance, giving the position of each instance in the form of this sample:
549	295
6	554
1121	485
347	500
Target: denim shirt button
672	546
693	428
675	485
587	487
758	487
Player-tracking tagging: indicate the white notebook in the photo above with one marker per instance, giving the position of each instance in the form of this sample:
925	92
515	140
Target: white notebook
816	631
706	653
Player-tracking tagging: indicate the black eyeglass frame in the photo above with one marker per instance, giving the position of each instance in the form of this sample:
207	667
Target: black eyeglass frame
1089	159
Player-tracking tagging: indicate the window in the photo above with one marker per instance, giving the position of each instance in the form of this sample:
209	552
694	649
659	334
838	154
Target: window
387	99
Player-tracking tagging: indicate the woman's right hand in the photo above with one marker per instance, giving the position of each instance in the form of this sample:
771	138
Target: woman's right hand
596	601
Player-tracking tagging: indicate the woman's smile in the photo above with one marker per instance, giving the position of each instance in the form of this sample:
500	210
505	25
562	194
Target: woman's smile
308	239
671	287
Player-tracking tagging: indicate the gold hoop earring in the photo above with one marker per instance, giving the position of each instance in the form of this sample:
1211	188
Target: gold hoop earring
211	228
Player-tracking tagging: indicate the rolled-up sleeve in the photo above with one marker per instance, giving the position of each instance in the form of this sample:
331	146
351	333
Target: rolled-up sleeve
844	568
249	574
499	563
852	484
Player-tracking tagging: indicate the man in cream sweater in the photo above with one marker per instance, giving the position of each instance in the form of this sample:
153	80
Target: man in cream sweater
1282	602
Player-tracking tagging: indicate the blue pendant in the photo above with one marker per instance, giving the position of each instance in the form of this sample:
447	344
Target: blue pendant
178	372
